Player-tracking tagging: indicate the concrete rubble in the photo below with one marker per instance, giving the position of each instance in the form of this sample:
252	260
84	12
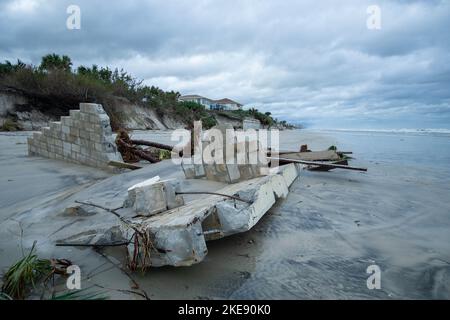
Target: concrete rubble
178	237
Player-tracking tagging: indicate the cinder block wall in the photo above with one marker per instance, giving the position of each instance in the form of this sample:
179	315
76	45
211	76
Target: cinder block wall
223	172
84	137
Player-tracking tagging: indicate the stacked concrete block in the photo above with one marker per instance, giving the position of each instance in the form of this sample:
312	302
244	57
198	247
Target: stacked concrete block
83	137
227	171
154	196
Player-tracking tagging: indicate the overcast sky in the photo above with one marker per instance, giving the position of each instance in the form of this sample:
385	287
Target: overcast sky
315	62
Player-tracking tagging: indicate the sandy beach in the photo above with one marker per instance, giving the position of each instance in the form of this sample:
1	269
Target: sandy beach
316	244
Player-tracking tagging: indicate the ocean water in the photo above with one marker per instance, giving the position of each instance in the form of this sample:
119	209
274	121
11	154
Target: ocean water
319	242
427	148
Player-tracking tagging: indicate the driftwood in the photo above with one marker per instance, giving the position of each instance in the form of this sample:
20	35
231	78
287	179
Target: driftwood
130	152
137	152
124	165
152	144
156	145
317	163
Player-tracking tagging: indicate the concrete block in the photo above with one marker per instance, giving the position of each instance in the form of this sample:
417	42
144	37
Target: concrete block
84	134
76	148
109	147
94	119
104	121
55	126
75	114
98	129
233	172
75	131
246	171
173	200
46	131
98	147
66	121
210	171
91	108
222	173
58	143
89	127
67	148
71	138
188	169
147	198
95	137
199	170
65	128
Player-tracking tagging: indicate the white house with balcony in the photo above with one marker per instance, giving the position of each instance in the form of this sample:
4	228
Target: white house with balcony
222	104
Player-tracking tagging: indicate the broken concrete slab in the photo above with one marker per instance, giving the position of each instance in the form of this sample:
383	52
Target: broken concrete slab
179	236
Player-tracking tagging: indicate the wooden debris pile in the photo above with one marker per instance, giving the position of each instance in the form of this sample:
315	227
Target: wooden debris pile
133	152
317	160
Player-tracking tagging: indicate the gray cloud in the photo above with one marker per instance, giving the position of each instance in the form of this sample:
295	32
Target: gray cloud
301	60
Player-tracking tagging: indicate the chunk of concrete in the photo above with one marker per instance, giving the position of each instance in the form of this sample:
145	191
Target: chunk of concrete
147	198
154	196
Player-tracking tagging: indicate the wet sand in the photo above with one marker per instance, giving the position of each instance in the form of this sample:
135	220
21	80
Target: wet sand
316	244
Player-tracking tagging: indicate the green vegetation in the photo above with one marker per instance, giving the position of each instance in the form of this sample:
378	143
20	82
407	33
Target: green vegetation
192	111
10	125
266	119
54	87
164	154
29	271
23	274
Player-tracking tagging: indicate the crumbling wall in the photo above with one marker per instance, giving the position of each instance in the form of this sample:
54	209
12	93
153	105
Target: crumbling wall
84	137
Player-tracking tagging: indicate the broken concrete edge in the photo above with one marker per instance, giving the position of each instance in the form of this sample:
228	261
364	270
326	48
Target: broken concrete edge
183	242
84	137
178	237
154	196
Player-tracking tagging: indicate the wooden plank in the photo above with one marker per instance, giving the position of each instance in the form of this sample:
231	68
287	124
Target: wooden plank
317	163
327	155
124	165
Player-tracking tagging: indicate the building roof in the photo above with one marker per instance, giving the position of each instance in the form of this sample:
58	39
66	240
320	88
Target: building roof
221	101
192	96
227	101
